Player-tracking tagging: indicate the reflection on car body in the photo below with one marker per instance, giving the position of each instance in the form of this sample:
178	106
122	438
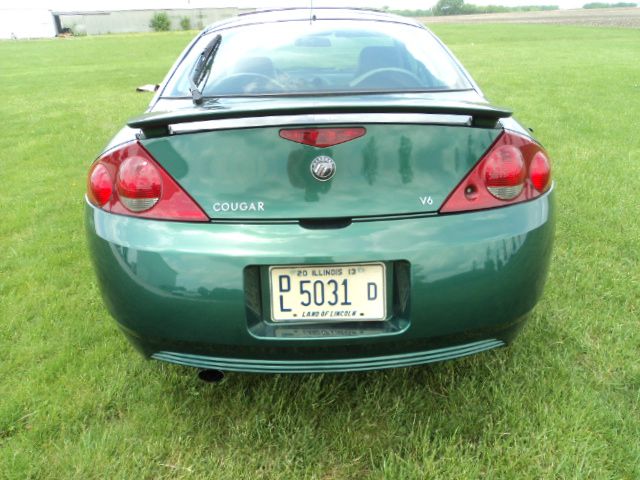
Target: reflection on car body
319	195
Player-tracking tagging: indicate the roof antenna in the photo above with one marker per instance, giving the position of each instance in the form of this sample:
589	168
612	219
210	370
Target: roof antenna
312	16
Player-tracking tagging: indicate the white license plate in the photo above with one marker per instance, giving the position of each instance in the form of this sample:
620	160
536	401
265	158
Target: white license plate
339	292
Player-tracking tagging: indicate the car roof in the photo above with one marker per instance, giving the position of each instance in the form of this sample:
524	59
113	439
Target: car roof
319	13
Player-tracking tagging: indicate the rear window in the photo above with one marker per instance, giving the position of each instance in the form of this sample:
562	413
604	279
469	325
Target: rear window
321	57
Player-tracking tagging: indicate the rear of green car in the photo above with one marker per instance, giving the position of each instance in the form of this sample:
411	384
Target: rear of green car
321	233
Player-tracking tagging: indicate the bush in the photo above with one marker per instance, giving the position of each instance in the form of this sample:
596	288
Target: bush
185	23
160	22
77	30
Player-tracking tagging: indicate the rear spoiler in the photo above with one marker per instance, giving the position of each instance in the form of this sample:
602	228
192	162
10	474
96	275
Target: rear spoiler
156	124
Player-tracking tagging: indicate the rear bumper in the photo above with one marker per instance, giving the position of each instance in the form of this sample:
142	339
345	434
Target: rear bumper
192	293
334	365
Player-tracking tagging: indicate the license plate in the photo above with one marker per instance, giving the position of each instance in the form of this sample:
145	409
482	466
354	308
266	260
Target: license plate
339	292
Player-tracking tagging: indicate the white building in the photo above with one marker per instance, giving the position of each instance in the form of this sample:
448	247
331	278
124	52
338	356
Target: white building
46	18
26	23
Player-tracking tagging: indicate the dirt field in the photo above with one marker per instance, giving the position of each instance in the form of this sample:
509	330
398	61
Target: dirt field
598	17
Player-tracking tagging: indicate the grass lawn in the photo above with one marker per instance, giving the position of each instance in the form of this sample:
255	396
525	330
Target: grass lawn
76	401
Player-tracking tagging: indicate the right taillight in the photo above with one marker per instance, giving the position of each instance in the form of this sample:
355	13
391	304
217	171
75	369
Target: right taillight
127	180
514	169
505	172
540	171
139	184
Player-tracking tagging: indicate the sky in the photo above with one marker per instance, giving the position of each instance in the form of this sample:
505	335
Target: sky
93	5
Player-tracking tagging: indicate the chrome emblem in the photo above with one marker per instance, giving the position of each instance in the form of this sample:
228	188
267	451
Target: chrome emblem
323	168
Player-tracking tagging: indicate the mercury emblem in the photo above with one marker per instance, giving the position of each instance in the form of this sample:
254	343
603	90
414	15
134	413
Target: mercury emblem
323	168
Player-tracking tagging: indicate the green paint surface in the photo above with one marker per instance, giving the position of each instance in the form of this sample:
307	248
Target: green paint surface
561	402
384	172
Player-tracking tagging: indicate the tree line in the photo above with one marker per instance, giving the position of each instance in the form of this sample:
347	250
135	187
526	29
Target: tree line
458	7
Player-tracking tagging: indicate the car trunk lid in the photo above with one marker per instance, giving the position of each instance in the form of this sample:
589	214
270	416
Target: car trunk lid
239	168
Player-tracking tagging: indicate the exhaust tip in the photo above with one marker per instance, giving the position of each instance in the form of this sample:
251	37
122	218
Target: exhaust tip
211	376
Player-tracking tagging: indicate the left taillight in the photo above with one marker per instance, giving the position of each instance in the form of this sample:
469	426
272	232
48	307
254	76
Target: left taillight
127	180
513	170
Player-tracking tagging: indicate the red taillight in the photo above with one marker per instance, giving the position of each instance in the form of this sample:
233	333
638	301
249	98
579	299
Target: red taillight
504	172
139	184
322	137
142	187
540	171
514	169
100	185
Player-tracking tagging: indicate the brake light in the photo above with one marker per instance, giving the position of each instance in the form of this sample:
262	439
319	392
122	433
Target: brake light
128	181
504	172
322	137
540	171
514	169
139	184
100	185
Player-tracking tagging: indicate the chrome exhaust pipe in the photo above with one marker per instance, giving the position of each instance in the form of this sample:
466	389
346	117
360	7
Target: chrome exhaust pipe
211	376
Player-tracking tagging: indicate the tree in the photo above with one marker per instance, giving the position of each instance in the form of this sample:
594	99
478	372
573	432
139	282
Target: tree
448	7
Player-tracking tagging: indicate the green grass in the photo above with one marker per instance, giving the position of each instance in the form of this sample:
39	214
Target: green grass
563	402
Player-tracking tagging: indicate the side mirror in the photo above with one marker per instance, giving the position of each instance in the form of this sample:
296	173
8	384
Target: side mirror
148	88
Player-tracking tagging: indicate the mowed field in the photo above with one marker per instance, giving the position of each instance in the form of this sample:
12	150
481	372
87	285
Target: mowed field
562	402
600	17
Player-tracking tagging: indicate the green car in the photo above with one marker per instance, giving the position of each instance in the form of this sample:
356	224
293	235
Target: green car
319	191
